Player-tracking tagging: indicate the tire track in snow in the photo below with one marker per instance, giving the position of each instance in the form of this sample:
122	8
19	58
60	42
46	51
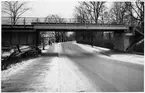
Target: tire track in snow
70	77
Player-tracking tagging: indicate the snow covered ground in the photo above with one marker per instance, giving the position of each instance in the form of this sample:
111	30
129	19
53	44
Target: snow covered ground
56	74
15	68
133	58
124	57
92	49
22	47
75	73
46	49
5	54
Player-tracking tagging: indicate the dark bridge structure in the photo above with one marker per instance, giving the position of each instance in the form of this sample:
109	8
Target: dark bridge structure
27	32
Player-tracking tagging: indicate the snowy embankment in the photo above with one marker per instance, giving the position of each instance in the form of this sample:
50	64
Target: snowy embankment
5	54
22	48
122	72
15	68
124	57
132	58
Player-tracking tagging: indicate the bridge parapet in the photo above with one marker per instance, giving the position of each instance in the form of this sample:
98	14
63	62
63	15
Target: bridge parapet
40	20
65	24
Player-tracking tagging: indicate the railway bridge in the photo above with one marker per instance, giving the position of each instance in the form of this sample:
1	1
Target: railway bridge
27	32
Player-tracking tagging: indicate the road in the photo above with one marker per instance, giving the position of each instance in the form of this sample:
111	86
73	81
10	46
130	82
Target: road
66	67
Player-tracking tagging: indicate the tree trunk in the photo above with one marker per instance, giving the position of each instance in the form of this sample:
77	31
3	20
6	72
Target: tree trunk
18	48
142	27
43	45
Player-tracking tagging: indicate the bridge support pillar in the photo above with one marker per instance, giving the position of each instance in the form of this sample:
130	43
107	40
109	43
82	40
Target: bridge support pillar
121	41
92	39
36	38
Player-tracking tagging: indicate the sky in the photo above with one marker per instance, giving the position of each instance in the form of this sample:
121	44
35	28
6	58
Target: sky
43	8
64	9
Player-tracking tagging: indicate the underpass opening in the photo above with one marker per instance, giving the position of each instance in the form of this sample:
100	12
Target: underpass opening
61	29
101	39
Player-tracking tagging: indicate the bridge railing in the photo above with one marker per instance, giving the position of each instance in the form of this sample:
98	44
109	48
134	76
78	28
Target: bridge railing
30	20
19	21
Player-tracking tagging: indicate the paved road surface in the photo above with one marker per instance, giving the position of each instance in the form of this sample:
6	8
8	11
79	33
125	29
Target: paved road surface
68	68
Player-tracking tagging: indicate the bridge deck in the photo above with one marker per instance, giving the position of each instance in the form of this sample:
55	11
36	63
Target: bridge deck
76	27
65	27
18	28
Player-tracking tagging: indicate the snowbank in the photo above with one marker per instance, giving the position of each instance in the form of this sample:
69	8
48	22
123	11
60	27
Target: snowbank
15	68
92	49
132	58
47	47
5	54
22	47
101	48
86	47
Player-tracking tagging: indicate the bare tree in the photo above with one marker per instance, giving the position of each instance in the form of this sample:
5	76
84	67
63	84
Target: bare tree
107	17
90	11
136	11
14	9
81	13
131	14
54	19
97	9
118	12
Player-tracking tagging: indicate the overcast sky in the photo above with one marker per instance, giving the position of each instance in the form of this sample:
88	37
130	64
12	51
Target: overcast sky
43	8
63	8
